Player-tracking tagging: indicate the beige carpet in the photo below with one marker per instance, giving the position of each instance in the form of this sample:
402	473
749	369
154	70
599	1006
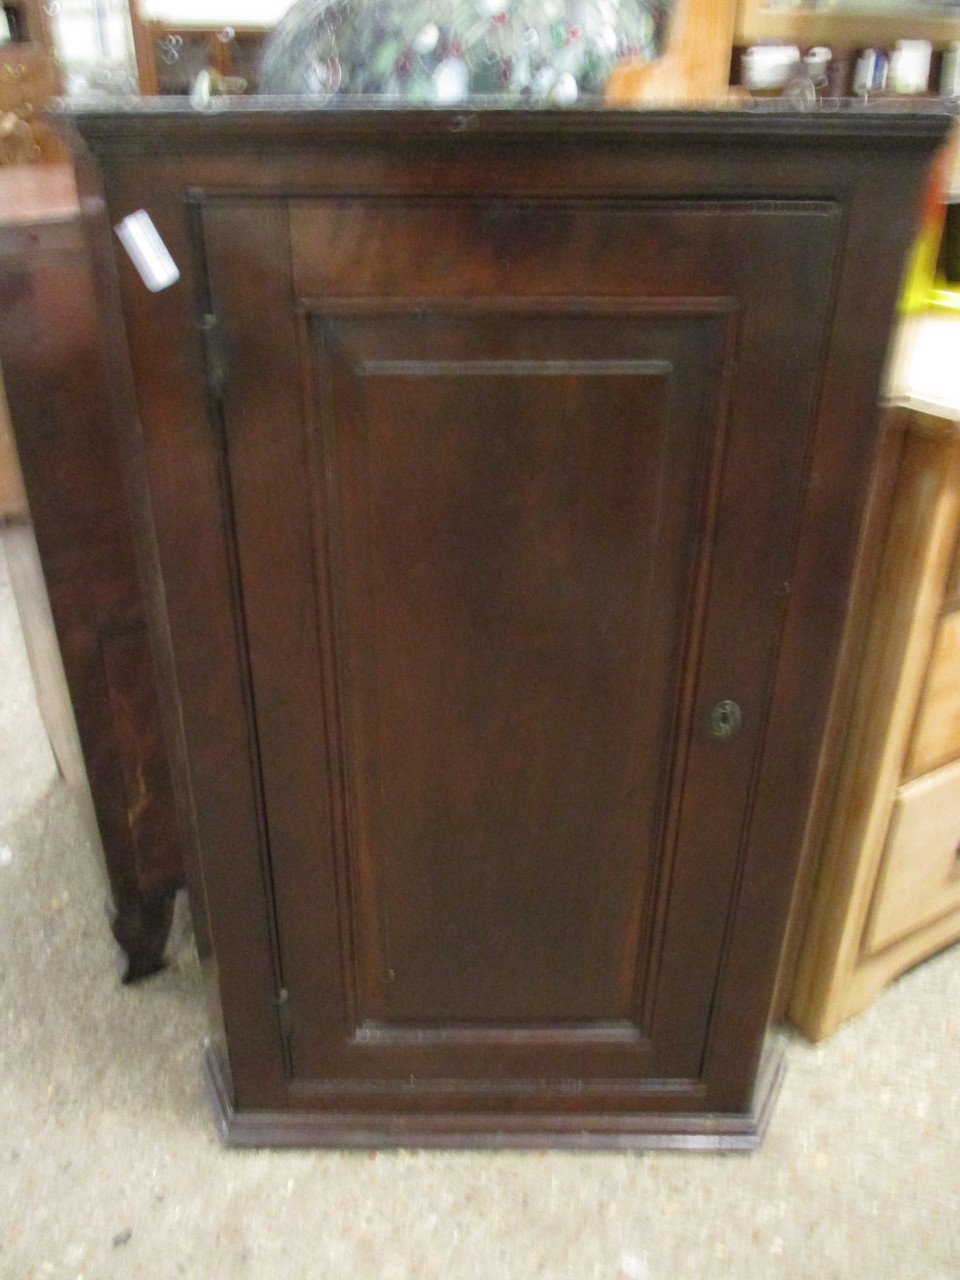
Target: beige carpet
110	1166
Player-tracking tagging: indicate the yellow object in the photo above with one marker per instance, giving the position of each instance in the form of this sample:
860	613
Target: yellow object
918	286
918	289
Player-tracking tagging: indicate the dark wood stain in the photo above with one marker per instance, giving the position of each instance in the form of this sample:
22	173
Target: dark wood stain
515	444
52	348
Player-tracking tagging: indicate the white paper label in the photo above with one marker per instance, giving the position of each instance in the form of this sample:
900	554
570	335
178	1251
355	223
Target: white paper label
148	253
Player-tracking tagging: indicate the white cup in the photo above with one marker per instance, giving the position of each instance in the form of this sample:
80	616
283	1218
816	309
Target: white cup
910	66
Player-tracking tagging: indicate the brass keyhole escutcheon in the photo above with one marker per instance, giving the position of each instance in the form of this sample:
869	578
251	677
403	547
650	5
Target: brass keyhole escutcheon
725	719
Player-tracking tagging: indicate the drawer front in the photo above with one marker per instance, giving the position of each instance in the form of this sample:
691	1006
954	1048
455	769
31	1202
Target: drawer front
936	739
952	593
920	877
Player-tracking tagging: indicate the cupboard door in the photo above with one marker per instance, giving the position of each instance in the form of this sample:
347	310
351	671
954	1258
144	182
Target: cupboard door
514	489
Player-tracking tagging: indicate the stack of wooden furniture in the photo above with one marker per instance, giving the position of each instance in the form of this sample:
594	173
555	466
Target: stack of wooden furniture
887	890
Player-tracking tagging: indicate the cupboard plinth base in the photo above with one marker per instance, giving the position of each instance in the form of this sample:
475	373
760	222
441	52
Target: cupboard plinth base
639	1131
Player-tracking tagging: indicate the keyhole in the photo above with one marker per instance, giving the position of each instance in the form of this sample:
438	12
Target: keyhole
725	719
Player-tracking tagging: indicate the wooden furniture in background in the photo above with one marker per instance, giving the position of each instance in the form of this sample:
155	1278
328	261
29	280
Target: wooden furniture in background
842	28
495	761
53	193
888	888
29	22
170	57
28	79
695	66
55	372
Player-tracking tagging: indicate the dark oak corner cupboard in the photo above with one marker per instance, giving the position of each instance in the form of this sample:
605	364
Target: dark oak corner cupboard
500	477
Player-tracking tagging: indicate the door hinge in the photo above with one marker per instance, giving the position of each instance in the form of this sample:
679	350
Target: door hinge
284	1013
210	327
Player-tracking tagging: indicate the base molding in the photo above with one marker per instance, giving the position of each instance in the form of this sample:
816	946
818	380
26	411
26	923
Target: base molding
642	1131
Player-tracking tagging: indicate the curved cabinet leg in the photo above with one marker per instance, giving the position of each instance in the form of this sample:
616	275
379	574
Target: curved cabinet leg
141	926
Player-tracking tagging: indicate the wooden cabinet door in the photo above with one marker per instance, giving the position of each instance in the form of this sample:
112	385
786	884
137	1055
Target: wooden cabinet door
514	488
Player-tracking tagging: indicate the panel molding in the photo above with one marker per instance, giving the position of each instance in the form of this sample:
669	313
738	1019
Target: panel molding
306	1125
315	335
735	315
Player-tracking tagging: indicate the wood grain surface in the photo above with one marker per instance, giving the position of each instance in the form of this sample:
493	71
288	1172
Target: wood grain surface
488	453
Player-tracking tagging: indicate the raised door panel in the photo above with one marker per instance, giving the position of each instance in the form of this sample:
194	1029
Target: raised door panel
515	493
515	519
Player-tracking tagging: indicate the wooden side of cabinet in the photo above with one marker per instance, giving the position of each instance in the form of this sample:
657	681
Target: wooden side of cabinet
54	360
844	961
143	49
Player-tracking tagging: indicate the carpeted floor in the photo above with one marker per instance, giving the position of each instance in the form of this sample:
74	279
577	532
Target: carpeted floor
110	1166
